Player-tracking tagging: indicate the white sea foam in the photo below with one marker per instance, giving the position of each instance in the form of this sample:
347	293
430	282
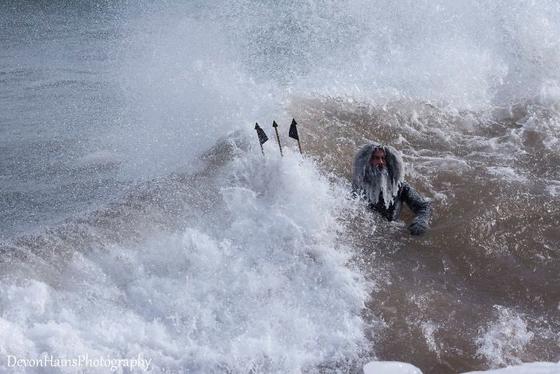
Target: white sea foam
428	330
394	367
99	159
259	280
507	173
190	71
390	367
261	283
553	188
526	368
502	341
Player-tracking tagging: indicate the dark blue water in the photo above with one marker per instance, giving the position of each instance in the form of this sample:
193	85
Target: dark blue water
58	96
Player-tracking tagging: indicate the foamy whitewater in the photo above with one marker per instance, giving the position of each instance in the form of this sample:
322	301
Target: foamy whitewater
258	282
141	227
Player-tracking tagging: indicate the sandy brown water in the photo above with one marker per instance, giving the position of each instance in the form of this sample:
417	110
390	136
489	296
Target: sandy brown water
482	288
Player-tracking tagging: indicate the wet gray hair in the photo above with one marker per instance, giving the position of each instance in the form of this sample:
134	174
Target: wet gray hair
363	172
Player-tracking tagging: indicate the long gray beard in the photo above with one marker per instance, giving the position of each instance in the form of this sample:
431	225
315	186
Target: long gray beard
378	183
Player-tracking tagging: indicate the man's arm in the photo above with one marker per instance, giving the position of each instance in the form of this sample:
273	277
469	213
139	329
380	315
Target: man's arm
421	207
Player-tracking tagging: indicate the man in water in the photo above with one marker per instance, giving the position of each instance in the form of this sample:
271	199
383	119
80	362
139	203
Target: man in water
379	177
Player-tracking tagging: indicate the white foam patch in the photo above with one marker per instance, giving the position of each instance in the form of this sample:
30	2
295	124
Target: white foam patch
446	163
429	330
390	367
527	368
259	283
102	158
396	367
553	187
507	173
503	340
540	129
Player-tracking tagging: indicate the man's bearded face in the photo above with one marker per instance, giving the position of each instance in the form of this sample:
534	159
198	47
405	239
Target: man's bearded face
378	183
378	159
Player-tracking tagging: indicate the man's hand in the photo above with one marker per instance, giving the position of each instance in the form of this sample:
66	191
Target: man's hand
418	227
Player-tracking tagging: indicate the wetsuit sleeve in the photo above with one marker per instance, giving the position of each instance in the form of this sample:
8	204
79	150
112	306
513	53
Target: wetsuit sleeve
421	207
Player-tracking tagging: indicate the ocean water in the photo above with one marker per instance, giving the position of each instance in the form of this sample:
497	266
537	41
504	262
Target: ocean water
139	217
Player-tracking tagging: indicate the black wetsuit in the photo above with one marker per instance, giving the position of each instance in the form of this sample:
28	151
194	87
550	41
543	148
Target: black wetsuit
420	206
362	186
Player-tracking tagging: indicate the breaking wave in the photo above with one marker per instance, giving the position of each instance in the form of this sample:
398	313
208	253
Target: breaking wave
127	227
